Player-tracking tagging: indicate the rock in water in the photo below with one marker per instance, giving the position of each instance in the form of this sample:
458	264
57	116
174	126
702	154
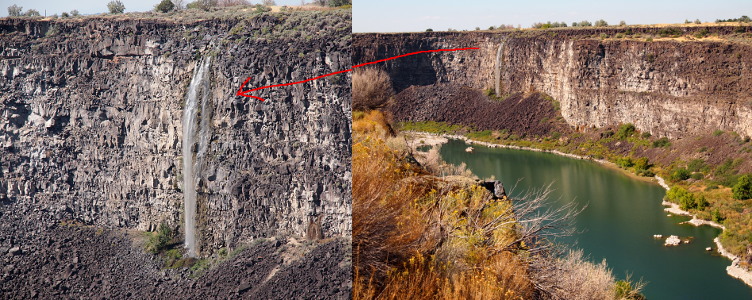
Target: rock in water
672	241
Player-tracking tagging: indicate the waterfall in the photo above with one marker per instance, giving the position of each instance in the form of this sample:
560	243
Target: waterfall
499	57
199	88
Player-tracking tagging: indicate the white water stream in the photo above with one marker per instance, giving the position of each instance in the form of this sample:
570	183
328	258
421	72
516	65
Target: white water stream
199	89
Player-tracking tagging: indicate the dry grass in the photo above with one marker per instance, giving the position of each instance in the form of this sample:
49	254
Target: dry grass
416	236
371	88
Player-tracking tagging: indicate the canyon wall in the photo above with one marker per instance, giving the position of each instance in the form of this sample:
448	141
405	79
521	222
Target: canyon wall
91	113
673	85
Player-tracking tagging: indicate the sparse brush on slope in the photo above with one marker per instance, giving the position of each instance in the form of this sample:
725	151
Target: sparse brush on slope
371	88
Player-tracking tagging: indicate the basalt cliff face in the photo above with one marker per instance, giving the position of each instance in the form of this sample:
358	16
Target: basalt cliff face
91	113
668	86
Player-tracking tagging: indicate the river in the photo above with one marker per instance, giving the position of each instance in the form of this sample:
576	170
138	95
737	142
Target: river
619	222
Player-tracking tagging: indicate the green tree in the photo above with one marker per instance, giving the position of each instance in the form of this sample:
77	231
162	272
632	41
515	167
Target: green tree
743	188
32	13
684	198
74	13
14	10
680	174
601	23
116	7
165	6
701	203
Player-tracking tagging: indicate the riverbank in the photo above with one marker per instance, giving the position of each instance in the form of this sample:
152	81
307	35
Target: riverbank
735	270
437	139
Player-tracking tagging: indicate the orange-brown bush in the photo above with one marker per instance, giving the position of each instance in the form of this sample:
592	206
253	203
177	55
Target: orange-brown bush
371	89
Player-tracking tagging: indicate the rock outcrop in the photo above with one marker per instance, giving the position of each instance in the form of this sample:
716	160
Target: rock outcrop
670	86
91	113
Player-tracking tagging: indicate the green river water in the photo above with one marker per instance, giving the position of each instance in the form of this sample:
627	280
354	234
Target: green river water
619	222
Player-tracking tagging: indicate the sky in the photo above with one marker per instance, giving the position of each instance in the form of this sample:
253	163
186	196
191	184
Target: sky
96	6
404	16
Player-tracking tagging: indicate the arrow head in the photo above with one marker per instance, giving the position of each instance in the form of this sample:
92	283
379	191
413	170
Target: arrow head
243	93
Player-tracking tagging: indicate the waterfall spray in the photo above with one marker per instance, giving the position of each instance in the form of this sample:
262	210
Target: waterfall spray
199	88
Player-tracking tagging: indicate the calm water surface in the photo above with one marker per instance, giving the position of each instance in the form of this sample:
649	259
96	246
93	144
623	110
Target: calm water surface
618	225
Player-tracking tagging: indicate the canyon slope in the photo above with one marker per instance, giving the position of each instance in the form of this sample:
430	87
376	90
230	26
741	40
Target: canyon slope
91	111
685	81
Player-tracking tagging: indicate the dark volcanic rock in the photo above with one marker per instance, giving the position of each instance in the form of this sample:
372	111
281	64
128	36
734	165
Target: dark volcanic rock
601	76
68	260
91	122
455	104
91	131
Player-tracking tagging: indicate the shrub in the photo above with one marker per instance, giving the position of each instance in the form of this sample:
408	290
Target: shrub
371	88
679	174
646	135
697	21
702	33
662	142
672	32
158	240
701	203
74	13
261	8
624	162
697	176
164	6
116	7
269	3
743	188
715	216
622	23
14	10
65	15
717	132
696	165
601	23
431	30
625	131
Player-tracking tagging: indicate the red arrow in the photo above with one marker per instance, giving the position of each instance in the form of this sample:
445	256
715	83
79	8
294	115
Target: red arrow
243	93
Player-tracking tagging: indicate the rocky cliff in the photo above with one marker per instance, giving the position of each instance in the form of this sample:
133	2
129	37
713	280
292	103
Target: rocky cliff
667	81
91	113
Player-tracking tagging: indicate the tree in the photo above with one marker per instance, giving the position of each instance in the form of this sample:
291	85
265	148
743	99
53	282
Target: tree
116	7
743	188
601	23
622	23
32	13
338	3
744	19
697	21
269	3
14	10
165	6
429	30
